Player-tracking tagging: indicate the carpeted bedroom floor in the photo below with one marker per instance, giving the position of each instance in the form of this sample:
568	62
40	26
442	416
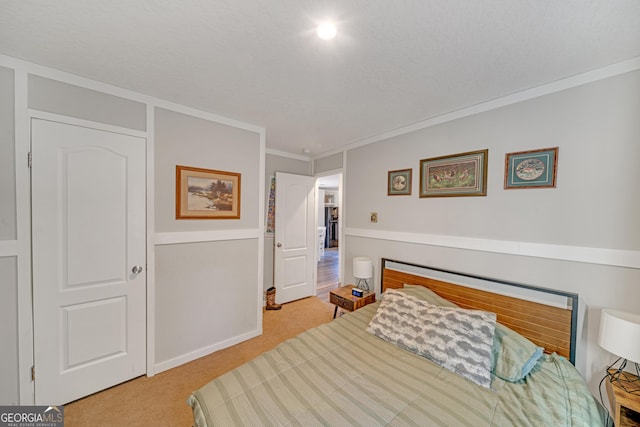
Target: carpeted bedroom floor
161	400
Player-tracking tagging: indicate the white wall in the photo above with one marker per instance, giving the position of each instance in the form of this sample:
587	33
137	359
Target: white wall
9	392
583	236
76	101
7	157
206	291
205	298
328	163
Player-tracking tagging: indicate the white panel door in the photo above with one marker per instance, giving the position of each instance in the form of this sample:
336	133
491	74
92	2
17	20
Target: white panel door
295	237
89	284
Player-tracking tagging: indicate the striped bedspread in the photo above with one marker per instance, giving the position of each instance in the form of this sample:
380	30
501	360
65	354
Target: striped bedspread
339	375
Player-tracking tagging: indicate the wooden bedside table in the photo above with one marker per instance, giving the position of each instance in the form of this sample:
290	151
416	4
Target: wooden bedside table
625	407
342	298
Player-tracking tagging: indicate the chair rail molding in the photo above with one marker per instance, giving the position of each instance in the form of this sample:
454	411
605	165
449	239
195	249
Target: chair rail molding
603	256
177	237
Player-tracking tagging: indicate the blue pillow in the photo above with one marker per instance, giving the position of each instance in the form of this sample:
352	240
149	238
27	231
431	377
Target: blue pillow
514	356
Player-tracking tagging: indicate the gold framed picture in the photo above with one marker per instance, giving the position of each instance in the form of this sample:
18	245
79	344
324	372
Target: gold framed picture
399	182
207	194
531	169
463	174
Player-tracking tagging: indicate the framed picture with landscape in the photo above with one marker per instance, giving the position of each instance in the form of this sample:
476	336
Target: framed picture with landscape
463	174
207	194
531	169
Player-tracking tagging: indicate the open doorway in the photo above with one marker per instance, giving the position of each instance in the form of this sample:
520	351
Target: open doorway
329	229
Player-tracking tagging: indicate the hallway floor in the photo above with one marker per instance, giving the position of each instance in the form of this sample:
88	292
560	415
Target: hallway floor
328	273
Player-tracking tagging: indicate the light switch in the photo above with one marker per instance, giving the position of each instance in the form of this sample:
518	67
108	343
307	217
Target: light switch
374	216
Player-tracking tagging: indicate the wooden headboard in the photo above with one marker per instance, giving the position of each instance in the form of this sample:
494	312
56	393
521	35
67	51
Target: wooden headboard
549	325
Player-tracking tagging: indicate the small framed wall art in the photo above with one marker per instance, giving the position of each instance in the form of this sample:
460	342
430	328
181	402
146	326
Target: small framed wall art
531	169
207	194
463	174
399	182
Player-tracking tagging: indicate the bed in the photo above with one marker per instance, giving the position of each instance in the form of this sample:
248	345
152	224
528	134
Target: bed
359	370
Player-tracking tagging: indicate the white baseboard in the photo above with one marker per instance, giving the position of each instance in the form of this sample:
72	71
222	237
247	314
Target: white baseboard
188	357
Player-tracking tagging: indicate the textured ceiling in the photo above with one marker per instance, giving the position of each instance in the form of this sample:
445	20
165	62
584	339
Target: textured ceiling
393	63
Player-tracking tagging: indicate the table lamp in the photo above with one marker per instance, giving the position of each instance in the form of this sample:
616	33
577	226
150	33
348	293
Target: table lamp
620	335
362	270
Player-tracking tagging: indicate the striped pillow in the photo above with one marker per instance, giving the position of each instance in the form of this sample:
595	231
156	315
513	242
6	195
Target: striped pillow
459	340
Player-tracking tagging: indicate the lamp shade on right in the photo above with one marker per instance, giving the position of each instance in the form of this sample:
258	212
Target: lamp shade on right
620	334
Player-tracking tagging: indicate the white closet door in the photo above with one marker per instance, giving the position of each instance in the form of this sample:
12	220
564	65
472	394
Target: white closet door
89	281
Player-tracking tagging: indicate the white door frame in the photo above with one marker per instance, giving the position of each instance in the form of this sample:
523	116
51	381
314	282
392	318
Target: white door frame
341	251
23	239
75	284
23	117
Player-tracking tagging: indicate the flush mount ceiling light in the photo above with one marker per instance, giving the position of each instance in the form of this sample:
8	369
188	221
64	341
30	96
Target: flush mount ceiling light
326	31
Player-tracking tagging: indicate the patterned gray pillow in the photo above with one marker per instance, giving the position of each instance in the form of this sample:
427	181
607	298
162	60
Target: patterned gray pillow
459	340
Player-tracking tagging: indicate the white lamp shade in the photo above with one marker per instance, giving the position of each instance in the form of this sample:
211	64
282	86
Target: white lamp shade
620	334
362	268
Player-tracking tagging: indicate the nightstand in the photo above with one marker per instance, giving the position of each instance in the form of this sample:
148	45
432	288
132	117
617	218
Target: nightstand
625	407
342	298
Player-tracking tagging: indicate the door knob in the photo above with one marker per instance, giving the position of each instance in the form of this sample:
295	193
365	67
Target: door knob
136	269
279	245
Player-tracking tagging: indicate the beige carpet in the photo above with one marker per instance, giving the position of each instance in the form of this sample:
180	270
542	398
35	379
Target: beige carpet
161	400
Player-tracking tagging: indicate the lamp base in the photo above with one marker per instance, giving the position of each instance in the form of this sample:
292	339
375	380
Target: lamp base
364	286
623	379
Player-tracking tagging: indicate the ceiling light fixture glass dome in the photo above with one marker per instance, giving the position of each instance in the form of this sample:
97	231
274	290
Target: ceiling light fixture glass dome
326	31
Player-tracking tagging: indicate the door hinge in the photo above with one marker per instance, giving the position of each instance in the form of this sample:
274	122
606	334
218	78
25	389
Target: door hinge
33	373
29	159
